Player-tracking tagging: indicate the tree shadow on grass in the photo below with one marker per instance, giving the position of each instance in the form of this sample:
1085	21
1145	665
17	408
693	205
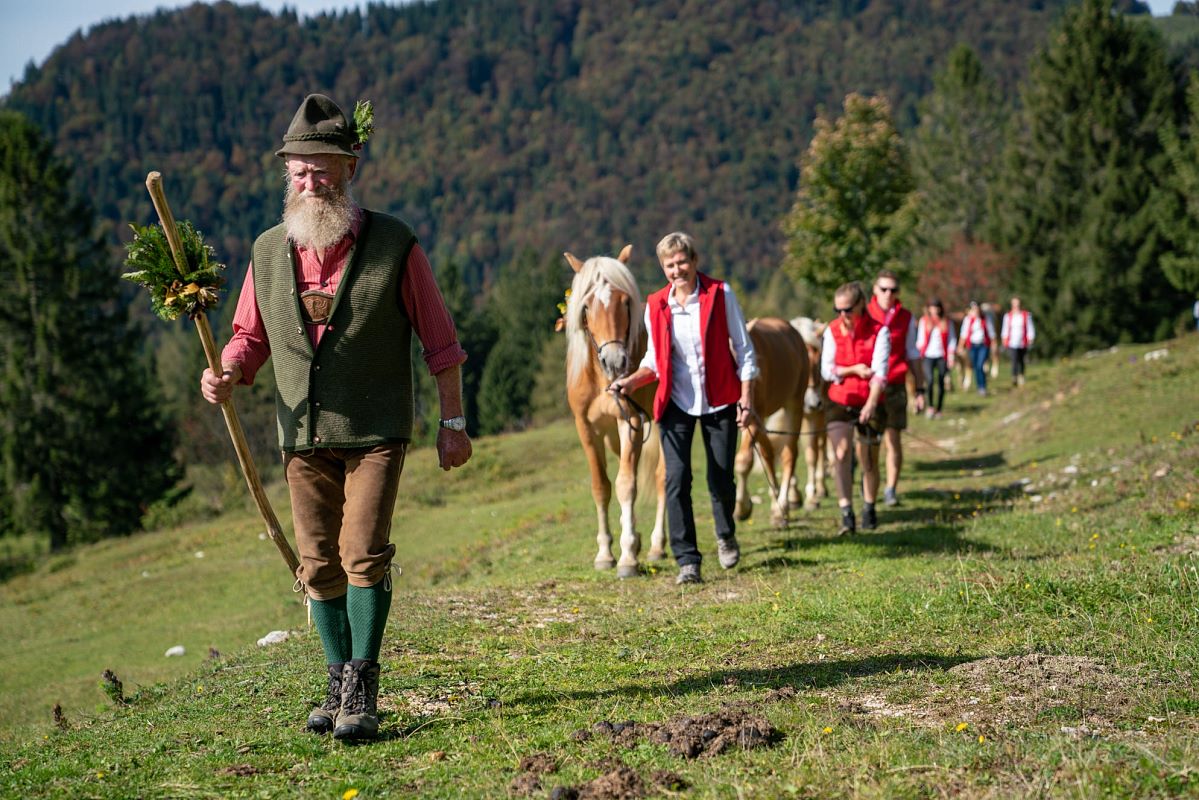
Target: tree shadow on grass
902	543
983	461
803	675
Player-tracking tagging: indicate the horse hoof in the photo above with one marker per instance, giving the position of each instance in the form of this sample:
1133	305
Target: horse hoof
811	505
628	571
778	522
602	564
656	555
743	513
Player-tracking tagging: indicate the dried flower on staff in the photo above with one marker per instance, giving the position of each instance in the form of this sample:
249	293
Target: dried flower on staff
174	293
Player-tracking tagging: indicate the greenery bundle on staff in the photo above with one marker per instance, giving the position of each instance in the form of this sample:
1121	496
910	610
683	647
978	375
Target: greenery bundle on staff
174	293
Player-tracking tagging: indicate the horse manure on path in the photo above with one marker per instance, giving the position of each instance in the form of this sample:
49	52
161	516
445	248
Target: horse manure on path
532	767
685	736
689	736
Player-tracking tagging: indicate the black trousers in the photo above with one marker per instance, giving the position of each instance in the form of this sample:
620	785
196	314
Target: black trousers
935	370
719	432
1018	354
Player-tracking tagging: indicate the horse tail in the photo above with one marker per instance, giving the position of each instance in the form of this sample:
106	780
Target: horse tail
647	467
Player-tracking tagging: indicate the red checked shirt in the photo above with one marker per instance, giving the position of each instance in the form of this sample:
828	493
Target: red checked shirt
422	301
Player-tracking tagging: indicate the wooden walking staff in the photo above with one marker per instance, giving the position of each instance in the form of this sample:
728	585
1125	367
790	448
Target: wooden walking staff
154	186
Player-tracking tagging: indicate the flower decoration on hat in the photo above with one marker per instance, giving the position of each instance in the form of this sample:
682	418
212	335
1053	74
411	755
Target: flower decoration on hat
364	122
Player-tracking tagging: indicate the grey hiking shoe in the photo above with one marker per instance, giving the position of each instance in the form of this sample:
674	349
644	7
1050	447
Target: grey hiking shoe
848	525
688	573
869	517
728	552
359	715
889	497
321	718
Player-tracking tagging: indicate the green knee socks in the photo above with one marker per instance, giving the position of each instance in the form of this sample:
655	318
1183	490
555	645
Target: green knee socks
333	624
367	611
351	626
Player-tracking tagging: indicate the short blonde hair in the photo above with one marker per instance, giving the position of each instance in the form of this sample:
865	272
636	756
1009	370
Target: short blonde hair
677	242
852	289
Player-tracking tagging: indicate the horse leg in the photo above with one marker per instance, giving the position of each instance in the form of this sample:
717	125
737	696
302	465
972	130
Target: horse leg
790	455
742	464
811	458
657	539
626	495
601	491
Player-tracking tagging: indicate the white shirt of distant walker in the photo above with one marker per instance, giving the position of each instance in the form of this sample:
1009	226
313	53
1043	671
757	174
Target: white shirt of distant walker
1013	329
937	346
687	371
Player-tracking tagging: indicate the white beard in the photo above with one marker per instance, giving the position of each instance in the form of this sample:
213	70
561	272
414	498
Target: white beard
318	220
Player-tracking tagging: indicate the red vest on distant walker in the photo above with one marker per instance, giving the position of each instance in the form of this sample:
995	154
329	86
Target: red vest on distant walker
897	320
968	330
854	347
721	383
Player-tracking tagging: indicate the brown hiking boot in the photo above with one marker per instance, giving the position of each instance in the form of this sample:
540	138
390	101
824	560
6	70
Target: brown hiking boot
359	715
321	718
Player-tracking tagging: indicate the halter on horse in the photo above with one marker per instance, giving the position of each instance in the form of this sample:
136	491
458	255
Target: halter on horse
605	341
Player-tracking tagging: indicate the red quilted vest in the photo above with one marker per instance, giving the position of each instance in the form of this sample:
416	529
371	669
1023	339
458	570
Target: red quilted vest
854	347
900	320
721	382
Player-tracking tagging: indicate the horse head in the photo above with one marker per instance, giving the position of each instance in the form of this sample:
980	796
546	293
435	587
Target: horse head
603	316
812	333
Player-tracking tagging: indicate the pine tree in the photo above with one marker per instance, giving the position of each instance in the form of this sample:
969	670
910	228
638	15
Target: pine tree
855	209
83	444
956	151
1178	198
1073	207
524	307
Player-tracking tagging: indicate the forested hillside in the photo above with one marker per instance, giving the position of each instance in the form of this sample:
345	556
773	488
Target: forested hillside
506	126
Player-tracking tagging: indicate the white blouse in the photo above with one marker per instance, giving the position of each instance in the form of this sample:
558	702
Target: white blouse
687	368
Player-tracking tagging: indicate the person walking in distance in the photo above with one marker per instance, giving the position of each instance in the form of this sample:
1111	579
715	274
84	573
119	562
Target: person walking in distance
701	355
974	341
936	340
886	309
333	296
1018	334
853	360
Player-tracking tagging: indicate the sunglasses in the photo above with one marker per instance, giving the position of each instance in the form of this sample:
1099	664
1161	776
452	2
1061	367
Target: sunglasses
889	289
844	310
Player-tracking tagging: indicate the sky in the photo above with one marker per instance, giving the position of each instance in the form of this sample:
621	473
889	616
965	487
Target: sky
31	29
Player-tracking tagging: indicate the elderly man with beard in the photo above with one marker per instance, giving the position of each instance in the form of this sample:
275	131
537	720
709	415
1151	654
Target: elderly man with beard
334	294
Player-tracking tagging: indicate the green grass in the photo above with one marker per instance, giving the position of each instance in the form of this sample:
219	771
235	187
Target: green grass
1024	625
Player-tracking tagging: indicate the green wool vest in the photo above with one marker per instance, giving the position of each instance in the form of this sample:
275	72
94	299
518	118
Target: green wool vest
355	389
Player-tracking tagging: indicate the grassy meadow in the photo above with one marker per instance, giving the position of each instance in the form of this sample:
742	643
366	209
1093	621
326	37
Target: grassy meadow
1024	624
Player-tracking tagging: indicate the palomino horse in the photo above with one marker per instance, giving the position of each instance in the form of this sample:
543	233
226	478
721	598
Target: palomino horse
606	340
815	426
781	383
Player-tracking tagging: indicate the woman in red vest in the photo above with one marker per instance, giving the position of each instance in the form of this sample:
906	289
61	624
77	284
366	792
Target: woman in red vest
703	360
854	361
937	340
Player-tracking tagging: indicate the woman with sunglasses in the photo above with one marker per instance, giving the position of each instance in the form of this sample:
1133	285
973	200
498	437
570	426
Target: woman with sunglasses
854	361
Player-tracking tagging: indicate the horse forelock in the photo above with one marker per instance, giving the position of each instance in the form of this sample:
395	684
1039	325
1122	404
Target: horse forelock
597	279
808	330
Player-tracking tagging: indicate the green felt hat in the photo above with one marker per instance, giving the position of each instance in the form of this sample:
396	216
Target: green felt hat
319	126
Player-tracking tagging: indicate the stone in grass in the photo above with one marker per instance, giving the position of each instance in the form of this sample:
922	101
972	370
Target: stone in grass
176	651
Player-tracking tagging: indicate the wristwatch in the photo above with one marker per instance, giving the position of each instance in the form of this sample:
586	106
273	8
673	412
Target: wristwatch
454	423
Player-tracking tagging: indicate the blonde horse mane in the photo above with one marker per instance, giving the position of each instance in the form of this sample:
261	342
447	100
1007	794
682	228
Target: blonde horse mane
598	272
